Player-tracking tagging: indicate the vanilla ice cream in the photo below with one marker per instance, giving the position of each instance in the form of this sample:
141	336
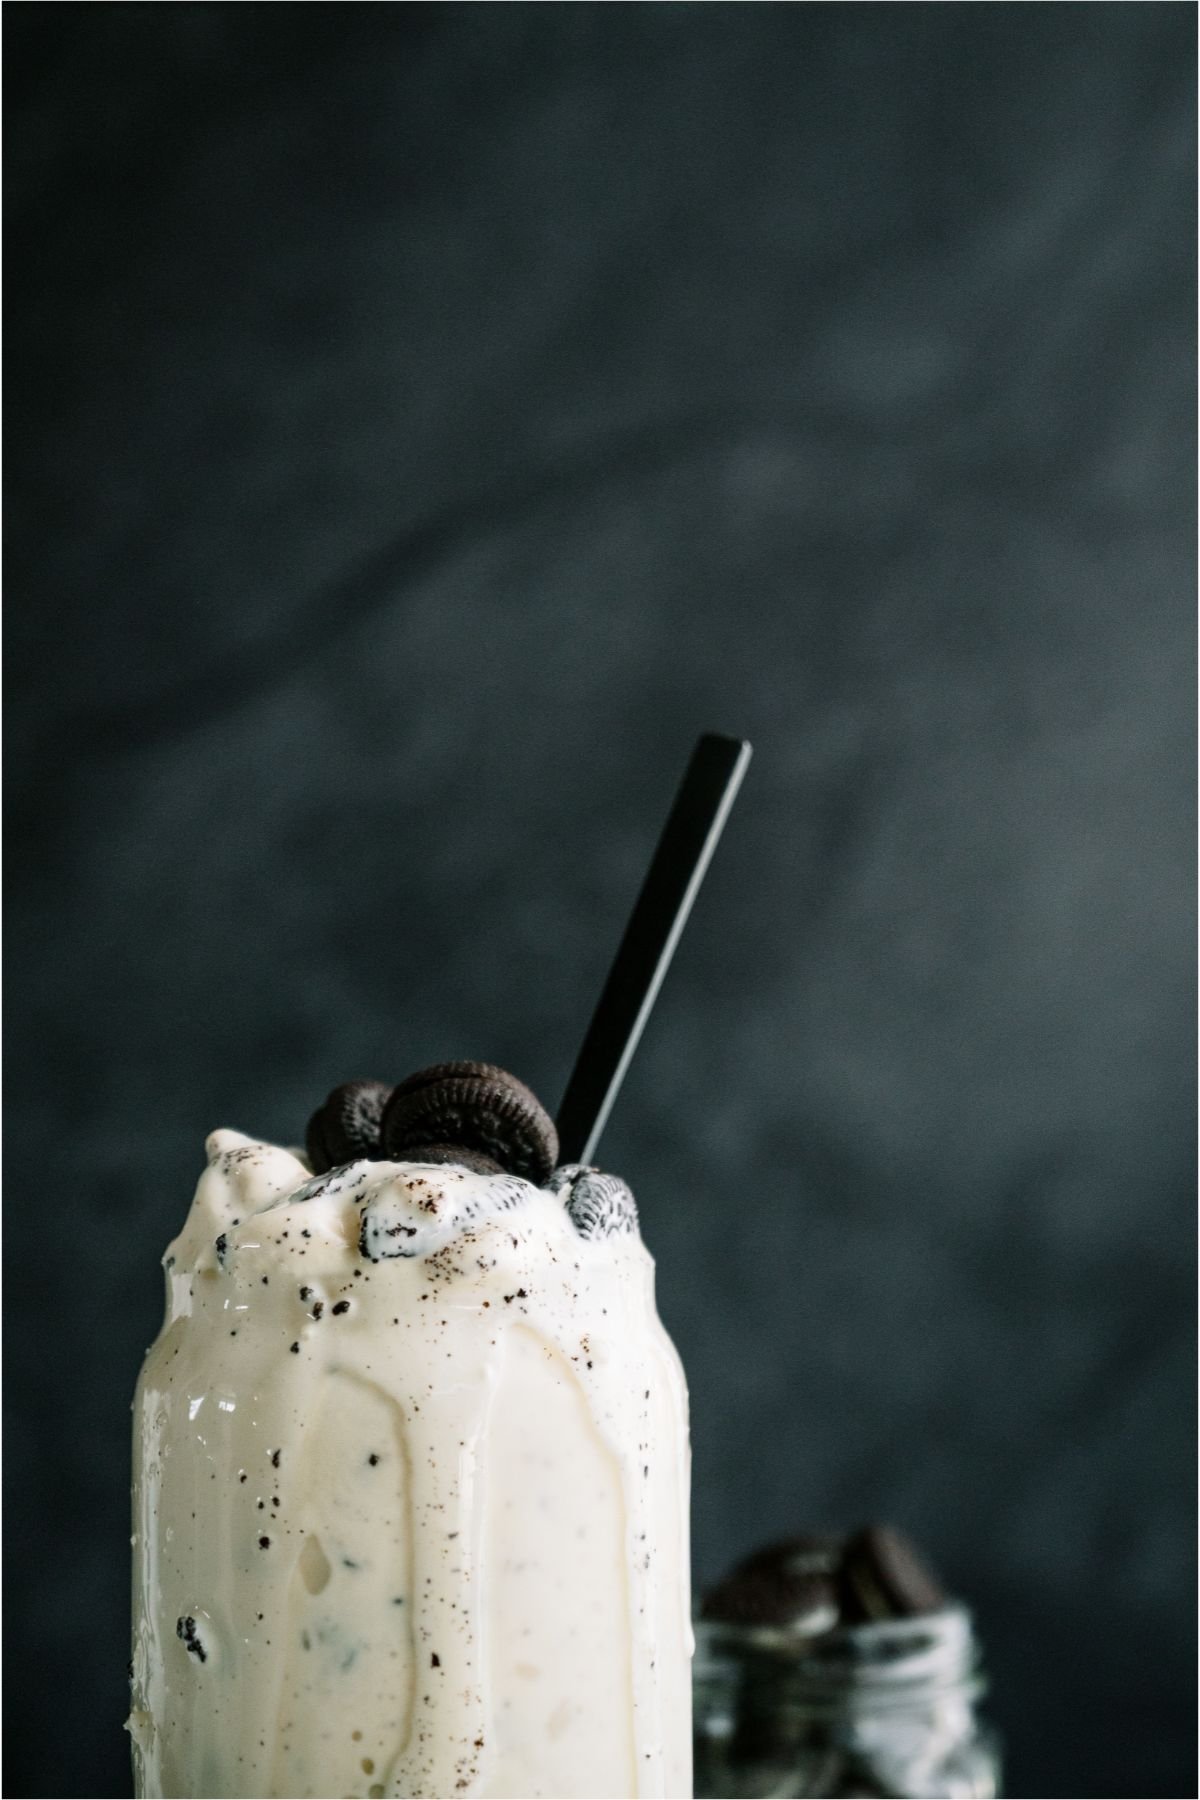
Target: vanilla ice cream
410	1491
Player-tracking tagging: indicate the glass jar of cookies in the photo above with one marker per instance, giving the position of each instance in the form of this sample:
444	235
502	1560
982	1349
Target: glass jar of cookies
865	1682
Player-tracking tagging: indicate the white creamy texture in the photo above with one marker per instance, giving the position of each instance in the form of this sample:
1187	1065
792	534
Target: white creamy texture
414	1526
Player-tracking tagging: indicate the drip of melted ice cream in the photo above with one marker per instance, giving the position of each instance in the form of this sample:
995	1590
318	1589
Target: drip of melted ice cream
410	1491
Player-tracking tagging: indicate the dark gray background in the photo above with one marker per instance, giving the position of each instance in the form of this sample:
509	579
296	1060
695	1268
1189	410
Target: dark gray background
421	423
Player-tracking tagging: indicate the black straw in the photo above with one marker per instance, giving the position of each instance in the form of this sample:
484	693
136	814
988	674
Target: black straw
672	882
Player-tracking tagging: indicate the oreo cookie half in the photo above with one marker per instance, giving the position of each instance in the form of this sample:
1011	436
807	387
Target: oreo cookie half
346	1128
884	1578
476	1107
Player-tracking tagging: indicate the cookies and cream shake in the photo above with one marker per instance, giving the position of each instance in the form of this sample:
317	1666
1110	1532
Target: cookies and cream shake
411	1469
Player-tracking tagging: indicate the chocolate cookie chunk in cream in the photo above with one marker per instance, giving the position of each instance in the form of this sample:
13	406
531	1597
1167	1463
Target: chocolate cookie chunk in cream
411	1485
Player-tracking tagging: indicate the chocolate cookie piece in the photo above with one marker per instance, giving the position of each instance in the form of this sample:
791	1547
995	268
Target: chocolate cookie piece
452	1153
790	1585
472	1106
884	1578
346	1128
188	1634
598	1205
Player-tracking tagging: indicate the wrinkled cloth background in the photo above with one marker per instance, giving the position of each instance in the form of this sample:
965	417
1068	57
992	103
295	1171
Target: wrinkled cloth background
422	421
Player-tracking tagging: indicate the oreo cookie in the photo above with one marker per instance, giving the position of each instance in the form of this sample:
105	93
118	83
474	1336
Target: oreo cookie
884	1578
474	1107
791	1586
346	1128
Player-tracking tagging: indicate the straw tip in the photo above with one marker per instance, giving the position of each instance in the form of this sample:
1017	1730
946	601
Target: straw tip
718	746
725	737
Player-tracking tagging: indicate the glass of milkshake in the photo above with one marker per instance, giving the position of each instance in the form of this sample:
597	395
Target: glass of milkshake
411	1470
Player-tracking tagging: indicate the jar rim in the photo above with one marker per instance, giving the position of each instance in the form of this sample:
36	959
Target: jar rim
901	1658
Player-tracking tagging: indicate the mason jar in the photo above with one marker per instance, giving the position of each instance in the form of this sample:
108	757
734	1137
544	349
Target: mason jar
886	1708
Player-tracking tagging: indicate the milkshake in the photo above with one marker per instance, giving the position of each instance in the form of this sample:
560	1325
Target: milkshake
411	1469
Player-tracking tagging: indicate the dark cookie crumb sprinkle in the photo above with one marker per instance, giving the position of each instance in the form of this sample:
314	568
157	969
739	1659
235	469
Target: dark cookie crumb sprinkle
185	1630
295	1349
343	1306
264	1543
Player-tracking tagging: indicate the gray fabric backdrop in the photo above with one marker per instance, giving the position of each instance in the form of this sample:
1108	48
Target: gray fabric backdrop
422	422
